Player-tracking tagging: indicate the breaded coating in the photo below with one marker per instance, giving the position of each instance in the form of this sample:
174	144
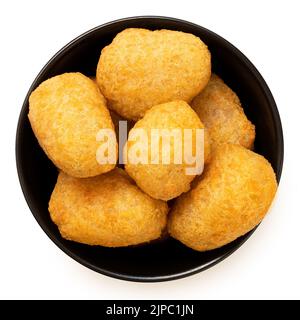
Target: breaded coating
143	68
231	198
66	112
165	181
107	210
220	110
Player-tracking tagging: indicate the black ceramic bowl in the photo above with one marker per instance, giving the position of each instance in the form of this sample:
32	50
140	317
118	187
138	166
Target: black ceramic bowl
169	259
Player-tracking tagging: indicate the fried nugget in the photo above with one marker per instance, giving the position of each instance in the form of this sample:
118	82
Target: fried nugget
161	179
66	112
143	68
107	210
220	110
232	196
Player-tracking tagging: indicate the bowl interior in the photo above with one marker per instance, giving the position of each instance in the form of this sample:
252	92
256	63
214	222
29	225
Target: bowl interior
167	259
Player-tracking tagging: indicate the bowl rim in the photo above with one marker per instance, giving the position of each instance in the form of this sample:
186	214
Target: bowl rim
59	244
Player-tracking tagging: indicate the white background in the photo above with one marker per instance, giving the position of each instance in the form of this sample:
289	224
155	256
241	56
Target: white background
267	266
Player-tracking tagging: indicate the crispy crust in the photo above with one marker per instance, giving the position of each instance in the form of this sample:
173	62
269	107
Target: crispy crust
143	68
107	210
165	181
65	113
222	114
231	198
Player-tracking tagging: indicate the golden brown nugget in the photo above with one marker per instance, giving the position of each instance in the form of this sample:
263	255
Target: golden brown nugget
143	68
66	112
231	198
107	210
220	110
165	181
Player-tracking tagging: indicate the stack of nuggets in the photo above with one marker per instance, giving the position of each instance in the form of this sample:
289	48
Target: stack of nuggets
161	80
